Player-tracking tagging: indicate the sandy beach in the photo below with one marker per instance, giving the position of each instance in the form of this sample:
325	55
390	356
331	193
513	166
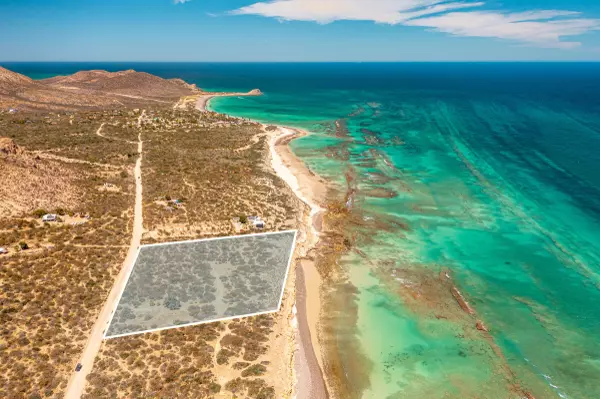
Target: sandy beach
203	99
310	190
310	382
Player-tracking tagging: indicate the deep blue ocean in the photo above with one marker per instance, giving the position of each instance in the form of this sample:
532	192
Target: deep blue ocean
486	172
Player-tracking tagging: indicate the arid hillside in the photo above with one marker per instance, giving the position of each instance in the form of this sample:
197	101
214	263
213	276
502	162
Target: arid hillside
30	182
89	90
128	82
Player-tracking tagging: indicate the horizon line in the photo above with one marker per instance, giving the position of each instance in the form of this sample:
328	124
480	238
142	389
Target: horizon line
303	62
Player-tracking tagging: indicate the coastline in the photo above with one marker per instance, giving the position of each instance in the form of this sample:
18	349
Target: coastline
201	100
311	191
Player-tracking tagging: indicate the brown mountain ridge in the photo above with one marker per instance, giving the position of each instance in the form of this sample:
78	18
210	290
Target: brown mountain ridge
89	90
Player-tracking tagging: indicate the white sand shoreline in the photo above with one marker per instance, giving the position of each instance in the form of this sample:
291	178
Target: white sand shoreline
202	100
308	189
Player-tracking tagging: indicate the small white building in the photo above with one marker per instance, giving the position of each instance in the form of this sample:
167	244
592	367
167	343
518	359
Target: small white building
12	111
257	222
49	217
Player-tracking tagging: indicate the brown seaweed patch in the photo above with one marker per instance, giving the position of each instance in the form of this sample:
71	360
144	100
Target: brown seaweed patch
387	161
341	128
338	152
378	177
396	140
422	290
379	155
358	111
371	137
380	192
373	140
366	163
462	302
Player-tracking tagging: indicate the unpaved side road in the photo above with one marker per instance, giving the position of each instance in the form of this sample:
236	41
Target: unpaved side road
77	381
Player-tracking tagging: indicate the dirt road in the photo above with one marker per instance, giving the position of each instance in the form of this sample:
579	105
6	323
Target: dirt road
99	133
77	381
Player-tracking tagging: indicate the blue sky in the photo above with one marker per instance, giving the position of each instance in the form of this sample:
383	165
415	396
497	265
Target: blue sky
299	30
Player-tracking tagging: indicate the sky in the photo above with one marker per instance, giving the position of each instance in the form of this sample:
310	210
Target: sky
299	30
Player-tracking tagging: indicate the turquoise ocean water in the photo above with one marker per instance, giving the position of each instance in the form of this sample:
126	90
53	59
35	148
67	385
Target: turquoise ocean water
491	174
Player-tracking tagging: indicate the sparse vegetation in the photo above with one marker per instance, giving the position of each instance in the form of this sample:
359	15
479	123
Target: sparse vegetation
254	371
195	158
181	362
203	160
54	286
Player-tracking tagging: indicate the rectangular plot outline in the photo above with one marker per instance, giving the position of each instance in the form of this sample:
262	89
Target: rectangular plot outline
195	323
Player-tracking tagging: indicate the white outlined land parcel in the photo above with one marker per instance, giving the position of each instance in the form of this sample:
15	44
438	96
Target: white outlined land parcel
192	282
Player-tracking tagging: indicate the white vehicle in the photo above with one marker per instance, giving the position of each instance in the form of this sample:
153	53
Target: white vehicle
3	251
49	217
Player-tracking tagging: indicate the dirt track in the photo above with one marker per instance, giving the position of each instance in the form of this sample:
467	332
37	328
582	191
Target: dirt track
77	381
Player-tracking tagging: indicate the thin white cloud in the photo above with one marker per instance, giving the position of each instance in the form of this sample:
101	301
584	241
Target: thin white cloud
326	11
541	28
544	28
181	1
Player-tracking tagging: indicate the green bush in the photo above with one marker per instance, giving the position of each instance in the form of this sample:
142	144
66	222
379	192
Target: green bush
23	245
39	213
256	370
243	219
214	387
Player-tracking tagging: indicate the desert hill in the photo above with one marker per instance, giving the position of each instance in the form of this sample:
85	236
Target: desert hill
29	182
10	79
89	89
127	82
